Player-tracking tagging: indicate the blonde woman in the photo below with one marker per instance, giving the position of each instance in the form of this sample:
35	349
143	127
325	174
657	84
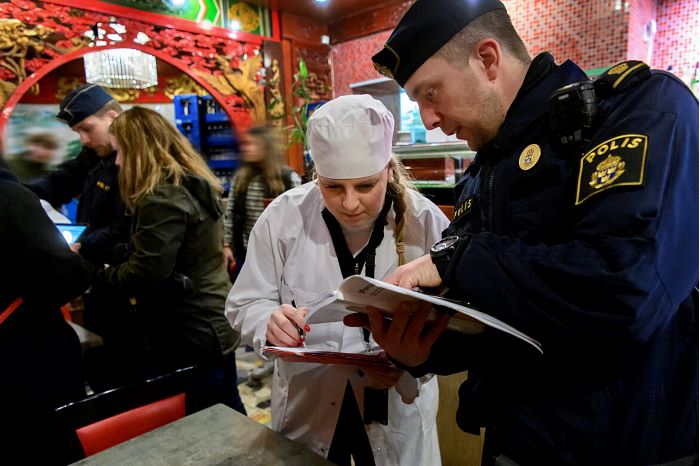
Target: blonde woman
359	216
175	271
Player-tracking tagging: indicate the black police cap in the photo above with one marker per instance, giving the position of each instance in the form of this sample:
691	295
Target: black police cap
426	27
81	103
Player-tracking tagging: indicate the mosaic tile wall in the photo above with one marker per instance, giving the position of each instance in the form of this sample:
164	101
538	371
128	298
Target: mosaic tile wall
352	61
640	40
592	33
677	41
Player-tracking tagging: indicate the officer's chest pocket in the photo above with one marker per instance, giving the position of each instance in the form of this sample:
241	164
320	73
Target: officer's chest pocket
537	204
321	336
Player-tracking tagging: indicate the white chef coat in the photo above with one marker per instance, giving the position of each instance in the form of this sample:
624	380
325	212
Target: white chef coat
290	257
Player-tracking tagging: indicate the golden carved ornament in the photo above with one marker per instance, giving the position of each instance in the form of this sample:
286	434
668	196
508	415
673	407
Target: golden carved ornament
182	84
275	106
65	85
242	81
6	88
16	41
129	95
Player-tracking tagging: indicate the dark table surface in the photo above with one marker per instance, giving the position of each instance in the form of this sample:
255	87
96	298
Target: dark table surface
215	436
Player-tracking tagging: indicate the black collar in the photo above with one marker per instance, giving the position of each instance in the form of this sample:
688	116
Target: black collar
350	265
531	103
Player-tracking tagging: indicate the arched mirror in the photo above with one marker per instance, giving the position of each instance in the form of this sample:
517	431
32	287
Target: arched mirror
34	140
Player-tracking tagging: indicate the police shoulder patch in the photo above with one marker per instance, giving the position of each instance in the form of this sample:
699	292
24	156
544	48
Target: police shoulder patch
465	208
618	161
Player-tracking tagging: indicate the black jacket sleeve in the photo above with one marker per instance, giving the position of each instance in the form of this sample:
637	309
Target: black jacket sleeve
37	263
107	244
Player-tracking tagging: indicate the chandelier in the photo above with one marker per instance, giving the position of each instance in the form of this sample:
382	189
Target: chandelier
121	69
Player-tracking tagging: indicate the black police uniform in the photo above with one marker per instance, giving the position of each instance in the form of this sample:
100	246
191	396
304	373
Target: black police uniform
93	180
593	252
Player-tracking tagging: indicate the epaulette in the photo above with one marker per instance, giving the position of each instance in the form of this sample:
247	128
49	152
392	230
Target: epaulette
621	77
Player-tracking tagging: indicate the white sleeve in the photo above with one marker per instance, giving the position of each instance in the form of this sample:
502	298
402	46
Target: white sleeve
432	218
256	293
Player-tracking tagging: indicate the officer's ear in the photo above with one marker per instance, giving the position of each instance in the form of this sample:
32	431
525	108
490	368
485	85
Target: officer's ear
111	115
489	56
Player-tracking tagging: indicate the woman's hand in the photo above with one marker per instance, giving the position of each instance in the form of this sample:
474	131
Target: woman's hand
284	324
229	259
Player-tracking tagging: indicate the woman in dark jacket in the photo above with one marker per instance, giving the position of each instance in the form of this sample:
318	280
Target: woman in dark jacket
40	359
175	273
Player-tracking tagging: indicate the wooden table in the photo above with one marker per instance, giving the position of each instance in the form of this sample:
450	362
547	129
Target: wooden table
215	436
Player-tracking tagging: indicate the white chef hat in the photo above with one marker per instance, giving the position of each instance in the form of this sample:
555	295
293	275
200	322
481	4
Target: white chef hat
350	137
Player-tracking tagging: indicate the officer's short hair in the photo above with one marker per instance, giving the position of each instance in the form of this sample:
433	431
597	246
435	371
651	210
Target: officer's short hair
111	105
496	24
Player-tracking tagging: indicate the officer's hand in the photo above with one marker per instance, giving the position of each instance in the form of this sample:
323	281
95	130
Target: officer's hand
75	247
419	272
408	336
284	324
229	259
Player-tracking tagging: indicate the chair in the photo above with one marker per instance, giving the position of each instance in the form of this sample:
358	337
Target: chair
117	415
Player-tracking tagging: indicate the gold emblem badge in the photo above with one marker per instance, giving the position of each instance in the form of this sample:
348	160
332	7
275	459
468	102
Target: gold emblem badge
529	157
617	162
618	69
607	172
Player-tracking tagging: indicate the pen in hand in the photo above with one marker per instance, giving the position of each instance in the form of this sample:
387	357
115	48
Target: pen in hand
302	334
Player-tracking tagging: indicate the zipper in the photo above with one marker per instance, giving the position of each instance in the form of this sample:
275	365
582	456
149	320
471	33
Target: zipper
490	179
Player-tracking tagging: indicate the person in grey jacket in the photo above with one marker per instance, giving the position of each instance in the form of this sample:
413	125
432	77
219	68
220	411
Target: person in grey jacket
175	272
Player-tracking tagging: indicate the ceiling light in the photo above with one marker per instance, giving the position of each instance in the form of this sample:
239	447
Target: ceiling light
121	69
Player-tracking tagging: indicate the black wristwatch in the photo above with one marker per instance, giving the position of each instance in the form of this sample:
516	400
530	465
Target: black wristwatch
441	253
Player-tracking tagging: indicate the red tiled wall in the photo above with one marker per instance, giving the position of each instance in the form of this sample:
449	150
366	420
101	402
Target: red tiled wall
640	41
592	33
677	43
352	61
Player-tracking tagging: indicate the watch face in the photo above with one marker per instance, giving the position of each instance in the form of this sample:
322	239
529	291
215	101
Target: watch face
444	243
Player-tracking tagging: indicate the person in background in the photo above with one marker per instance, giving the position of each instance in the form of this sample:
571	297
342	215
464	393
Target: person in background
40	363
91	176
580	232
360	216
261	176
175	272
36	160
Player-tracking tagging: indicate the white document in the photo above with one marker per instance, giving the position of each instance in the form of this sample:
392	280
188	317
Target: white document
357	292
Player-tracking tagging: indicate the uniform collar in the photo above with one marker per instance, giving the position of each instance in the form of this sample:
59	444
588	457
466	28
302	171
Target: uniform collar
532	101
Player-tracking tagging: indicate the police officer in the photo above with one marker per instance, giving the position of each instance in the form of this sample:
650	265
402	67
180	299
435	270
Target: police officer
91	176
582	235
